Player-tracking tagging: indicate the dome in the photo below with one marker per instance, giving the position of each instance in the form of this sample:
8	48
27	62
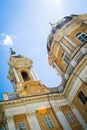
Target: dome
58	25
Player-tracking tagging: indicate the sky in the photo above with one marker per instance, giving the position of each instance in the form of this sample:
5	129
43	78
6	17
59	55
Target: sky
24	26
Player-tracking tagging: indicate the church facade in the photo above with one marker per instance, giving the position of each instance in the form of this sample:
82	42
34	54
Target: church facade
32	105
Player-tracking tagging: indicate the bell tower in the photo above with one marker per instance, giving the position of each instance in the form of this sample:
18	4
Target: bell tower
23	76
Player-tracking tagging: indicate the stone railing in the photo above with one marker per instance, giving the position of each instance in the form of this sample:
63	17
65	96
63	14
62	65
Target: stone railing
10	96
74	62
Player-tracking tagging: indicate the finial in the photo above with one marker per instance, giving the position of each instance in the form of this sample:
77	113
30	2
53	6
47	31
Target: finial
12	52
53	25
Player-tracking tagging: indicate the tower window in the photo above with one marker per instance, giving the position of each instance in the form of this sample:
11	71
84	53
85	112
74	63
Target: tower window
81	36
65	58
48	122
69	117
82	97
25	76
21	126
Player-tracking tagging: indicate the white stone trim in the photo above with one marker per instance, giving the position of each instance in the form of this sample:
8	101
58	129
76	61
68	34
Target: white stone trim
66	76
33	73
24	108
71	42
16	75
83	50
57	68
10	122
72	28
79	117
33	122
5	96
64	123
81	78
83	75
58	103
65	47
74	89
73	63
85	22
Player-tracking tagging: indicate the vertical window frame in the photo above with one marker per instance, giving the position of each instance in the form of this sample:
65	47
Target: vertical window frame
82	37
65	58
82	97
48	121
70	117
22	125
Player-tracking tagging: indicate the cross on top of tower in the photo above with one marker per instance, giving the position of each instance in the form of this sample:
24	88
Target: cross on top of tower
12	52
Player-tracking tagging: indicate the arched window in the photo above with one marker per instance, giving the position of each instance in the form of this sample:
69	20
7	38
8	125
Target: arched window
25	76
81	36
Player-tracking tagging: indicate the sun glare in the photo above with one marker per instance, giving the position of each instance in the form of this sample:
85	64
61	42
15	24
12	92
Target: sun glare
56	1
52	2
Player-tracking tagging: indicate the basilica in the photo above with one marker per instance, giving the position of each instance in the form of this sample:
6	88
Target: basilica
34	106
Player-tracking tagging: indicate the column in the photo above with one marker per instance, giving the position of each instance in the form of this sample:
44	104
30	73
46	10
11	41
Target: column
79	117
64	123
10	123
33	122
33	73
16	75
72	43
65	47
57	68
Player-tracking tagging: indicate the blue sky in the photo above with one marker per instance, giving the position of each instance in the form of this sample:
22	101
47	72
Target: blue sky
24	26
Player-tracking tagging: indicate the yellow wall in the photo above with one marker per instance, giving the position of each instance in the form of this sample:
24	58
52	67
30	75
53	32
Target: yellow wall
40	117
82	108
75	125
62	65
21	118
72	35
57	49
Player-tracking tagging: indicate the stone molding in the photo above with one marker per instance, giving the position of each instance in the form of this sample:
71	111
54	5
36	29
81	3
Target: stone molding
9	118
74	77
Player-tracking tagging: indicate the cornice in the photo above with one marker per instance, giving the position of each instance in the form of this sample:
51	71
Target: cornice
20	62
50	96
32	99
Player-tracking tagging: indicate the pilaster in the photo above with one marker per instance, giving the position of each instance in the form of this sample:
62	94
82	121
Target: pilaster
10	122
64	123
16	75
79	117
32	120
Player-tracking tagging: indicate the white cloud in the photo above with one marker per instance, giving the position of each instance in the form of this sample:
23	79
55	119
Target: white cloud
8	40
